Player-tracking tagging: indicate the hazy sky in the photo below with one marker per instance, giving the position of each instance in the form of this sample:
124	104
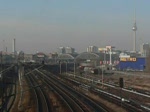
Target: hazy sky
45	25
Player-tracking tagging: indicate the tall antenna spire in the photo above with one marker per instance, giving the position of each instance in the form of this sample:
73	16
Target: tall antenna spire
134	30
135	14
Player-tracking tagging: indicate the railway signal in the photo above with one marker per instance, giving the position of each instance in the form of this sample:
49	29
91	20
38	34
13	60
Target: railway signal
121	83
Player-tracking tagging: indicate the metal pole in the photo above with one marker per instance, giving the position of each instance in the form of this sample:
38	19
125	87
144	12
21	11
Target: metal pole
66	67
102	76
135	41
102	68
74	69
60	67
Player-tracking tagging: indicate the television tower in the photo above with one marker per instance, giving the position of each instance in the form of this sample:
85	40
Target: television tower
134	30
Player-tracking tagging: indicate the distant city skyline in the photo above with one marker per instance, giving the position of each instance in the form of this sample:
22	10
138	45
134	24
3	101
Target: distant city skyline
48	24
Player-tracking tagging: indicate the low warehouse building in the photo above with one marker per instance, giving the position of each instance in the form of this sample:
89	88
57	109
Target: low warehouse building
134	63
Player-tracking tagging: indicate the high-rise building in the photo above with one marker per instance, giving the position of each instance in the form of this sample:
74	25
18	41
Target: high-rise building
69	50
61	50
92	49
66	50
145	49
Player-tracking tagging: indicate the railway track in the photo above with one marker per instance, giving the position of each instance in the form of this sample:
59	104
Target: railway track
72	104
76	96
77	102
41	98
129	105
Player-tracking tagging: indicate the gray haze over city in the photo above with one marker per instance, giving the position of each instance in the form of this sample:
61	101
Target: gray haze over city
45	25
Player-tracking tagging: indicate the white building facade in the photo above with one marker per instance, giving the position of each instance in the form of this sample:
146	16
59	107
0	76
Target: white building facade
92	49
